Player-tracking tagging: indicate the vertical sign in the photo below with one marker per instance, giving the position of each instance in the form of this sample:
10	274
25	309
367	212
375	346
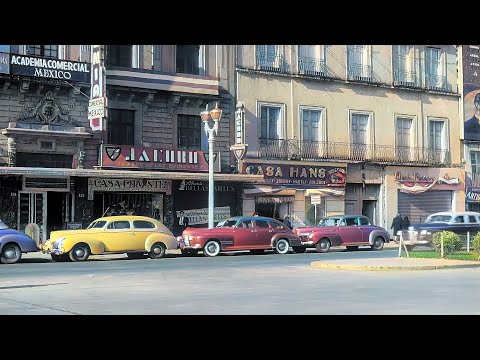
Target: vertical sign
471	92
97	105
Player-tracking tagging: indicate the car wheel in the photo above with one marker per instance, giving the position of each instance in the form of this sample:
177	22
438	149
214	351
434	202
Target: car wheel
299	249
135	255
212	248
11	253
157	251
79	252
282	246
378	243
323	245
257	251
60	258
352	248
189	252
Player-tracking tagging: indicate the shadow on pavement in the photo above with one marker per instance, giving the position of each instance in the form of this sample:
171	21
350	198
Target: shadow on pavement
28	286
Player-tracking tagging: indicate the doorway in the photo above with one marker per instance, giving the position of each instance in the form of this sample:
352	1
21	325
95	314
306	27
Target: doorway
59	210
32	208
369	210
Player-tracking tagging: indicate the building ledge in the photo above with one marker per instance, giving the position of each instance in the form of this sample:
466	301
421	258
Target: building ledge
42	131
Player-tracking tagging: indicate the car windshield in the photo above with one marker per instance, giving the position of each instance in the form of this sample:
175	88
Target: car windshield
329	222
97	224
227	223
2	225
438	218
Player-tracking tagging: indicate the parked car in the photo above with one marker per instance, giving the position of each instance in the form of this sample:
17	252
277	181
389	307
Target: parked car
13	244
254	233
458	222
133	235
350	231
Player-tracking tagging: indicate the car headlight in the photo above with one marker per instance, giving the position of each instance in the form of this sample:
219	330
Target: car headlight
58	243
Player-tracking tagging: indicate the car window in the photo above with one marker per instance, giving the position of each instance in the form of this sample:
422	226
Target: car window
438	218
143	224
277	225
459	219
2	225
329	222
261	223
117	225
97	224
364	221
350	221
245	224
227	223
472	219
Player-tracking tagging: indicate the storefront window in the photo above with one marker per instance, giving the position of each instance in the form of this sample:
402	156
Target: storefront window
313	212
274	206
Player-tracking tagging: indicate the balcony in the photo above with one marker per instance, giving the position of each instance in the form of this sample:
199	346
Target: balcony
338	151
271	62
312	66
359	72
405	78
436	82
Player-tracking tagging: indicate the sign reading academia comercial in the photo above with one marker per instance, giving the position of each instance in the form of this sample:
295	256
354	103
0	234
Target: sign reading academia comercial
49	68
4	63
128	185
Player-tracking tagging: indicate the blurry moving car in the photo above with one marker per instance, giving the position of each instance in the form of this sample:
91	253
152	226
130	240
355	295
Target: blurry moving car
458	222
133	235
254	233
13	243
350	231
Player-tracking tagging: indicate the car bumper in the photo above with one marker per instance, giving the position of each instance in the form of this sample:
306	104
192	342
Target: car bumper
307	243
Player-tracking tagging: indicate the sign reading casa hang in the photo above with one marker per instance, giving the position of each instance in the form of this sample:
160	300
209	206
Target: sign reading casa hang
49	68
281	174
124	156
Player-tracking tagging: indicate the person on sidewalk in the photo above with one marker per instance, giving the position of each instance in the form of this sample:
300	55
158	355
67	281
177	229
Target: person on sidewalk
405	223
396	226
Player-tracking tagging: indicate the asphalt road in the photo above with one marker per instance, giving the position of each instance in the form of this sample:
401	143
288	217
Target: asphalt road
232	284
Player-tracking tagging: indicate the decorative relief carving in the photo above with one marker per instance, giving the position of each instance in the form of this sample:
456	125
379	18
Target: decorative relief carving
67	143
27	141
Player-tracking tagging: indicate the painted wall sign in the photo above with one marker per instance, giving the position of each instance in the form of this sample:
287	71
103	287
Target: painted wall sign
192	185
4	63
139	157
414	182
472	194
128	185
49	68
282	174
200	216
471	92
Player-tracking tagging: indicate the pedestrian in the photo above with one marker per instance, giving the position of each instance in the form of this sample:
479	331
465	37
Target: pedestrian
286	221
396	226
182	222
405	223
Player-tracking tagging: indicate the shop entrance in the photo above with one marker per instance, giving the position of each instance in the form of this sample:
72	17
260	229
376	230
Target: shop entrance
60	210
274	206
32	208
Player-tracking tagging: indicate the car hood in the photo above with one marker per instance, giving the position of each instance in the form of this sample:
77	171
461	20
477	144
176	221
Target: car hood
62	233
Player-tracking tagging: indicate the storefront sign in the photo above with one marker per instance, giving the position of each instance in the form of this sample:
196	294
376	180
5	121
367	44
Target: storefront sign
192	185
32	183
415	182
49	68
4	63
281	174
128	185
122	156
472	194
97	110
200	216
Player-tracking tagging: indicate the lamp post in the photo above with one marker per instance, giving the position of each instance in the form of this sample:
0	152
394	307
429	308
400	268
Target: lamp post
215	115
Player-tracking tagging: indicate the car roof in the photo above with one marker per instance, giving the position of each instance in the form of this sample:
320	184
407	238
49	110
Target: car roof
453	213
125	218
250	218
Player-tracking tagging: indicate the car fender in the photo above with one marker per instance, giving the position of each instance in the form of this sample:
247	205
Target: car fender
96	246
334	238
279	236
382	233
169	241
26	243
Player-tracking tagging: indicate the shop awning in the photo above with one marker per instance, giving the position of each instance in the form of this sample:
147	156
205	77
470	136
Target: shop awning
158	175
274	199
267	190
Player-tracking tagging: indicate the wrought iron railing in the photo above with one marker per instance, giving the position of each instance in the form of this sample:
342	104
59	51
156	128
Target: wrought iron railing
293	149
436	82
312	66
359	72
271	62
405	78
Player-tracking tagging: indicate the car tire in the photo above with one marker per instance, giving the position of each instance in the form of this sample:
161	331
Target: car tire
60	258
378	243
211	248
352	248
11	254
80	252
257	251
189	252
299	249
135	255
157	251
282	246
323	245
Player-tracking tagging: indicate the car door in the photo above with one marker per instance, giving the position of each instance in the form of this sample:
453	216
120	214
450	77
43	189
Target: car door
245	235
119	236
349	231
142	229
365	228
264	233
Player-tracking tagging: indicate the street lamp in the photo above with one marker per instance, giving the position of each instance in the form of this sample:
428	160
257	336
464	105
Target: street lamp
215	115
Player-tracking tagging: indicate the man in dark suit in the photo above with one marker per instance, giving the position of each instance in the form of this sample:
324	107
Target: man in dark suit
471	129
182	221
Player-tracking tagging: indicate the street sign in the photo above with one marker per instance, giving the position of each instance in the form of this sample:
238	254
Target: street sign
97	108
316	199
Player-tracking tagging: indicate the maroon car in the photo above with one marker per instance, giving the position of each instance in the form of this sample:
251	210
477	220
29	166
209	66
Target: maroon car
254	233
350	231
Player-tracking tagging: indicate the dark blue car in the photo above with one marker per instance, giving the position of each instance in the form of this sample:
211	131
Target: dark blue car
13	244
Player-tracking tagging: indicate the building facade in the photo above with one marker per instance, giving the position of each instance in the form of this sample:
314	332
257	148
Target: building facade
57	172
369	129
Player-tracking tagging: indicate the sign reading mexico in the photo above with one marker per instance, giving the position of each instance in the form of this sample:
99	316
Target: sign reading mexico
50	68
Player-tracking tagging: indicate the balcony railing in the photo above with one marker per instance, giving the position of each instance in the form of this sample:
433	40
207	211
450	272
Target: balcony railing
359	72
312	66
436	82
339	151
405	78
271	62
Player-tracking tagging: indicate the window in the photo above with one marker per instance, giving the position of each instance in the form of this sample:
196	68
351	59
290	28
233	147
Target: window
97	225
188	59
141	224
363	221
434	69
459	219
189	132
261	223
436	135
245	224
475	161
269	58
350	221
359	128
270	122
120	129
119	225
48	51
311	59
311	124
86	48
359	62
472	219
404	65
25	159
5	48
402	128
277	225
119	55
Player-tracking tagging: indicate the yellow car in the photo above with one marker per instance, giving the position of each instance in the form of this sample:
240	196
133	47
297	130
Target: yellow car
133	235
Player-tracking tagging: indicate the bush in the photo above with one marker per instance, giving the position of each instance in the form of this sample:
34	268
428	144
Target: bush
451	242
475	244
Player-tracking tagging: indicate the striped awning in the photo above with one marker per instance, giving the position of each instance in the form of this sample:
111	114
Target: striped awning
256	190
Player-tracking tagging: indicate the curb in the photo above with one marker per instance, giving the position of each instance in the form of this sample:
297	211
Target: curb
320	265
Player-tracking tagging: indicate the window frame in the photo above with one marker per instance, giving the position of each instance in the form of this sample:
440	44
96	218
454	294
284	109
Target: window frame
153	226
42	51
281	127
477	157
323	121
370	126
122	125
195	120
117	221
413	118
445	132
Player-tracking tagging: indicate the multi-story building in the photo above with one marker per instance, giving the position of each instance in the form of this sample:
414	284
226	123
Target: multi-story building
151	156
386	116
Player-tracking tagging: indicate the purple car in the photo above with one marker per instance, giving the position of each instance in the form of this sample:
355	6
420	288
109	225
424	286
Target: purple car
13	243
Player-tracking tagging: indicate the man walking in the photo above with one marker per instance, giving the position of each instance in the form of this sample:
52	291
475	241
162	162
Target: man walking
396	226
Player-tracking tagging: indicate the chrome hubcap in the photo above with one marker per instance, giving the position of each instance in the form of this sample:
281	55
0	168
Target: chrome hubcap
281	246
10	253
323	245
212	248
80	252
157	250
